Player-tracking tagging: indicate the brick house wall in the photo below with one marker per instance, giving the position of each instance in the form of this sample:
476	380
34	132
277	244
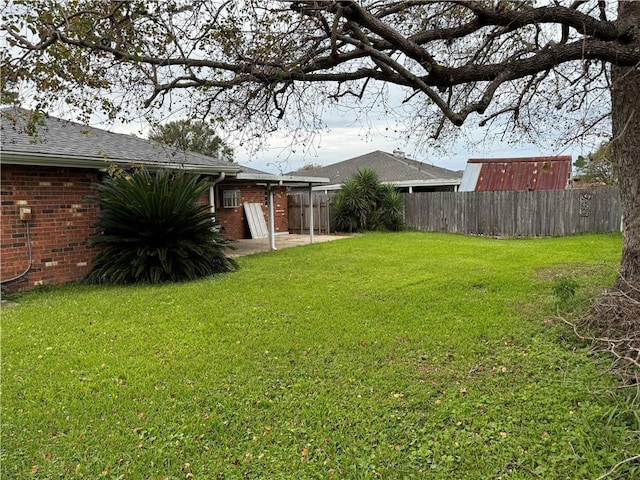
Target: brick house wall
233	220
61	223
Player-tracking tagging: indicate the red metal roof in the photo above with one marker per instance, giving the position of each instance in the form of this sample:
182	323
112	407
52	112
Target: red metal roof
527	173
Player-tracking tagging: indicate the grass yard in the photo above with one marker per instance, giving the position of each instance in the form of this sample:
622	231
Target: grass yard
390	356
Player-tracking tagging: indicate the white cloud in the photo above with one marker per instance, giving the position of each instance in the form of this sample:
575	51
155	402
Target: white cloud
284	154
348	136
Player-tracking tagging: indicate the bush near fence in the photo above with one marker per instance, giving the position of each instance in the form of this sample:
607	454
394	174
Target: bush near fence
522	213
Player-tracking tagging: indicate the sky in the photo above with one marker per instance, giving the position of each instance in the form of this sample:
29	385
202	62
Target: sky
345	138
342	143
347	134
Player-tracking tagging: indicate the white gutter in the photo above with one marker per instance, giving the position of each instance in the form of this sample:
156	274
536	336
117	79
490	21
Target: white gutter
427	183
405	184
268	177
46	160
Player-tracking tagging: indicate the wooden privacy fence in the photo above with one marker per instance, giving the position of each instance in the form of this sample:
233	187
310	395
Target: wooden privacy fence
298	204
541	213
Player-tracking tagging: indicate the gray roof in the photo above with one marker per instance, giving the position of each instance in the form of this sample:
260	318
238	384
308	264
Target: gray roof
391	168
83	146
62	143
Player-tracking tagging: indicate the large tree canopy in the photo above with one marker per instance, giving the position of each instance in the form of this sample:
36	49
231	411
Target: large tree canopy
525	66
260	64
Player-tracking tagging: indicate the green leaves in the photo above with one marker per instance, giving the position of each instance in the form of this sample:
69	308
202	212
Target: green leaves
364	203
597	167
194	136
564	288
151	229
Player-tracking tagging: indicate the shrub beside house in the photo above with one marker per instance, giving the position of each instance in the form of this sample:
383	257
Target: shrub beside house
47	174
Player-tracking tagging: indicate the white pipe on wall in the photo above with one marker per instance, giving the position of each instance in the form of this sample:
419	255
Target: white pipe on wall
212	195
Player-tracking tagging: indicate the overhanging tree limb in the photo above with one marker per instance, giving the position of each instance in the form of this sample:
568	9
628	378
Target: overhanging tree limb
265	64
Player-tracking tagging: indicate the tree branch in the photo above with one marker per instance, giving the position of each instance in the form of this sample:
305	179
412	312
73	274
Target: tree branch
571	17
617	466
455	54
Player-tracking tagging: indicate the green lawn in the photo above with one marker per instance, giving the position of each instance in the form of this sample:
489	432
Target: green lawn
391	356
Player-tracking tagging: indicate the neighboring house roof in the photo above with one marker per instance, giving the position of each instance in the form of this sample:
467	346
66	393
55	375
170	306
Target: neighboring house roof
62	143
391	168
526	173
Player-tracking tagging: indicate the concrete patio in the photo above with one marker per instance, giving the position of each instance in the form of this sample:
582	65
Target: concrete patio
256	245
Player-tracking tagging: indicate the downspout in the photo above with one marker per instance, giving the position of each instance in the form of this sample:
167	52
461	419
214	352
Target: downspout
212	196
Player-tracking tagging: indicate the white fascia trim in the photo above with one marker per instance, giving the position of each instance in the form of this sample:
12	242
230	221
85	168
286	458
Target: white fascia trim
409	183
289	179
335	186
427	183
44	160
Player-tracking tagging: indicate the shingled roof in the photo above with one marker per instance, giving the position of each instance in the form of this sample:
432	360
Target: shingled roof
391	168
54	140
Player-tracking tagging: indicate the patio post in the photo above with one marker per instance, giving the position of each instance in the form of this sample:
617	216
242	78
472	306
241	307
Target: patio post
270	208
311	213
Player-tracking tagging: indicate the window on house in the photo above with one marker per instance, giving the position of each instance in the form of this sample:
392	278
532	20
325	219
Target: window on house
230	198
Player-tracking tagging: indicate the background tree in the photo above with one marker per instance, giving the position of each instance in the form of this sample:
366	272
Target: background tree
525	68
597	167
307	167
8	93
192	135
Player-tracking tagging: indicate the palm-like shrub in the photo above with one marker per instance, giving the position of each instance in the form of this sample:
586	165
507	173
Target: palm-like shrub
363	203
390	212
347	207
341	218
152	229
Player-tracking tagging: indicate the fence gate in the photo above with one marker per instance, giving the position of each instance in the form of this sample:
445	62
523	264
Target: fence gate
298	206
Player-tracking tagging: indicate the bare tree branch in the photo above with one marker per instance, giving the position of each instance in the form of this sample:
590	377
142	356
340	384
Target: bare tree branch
618	465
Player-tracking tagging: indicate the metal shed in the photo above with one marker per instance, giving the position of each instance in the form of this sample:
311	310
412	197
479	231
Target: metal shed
516	174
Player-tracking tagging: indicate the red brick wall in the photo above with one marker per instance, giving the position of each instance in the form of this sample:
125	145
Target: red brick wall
281	210
234	221
61	223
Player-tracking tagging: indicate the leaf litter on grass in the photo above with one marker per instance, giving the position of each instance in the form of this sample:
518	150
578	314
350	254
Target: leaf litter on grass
334	373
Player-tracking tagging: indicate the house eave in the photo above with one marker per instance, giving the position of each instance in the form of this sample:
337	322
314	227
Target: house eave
428	183
334	186
69	161
288	180
409	183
